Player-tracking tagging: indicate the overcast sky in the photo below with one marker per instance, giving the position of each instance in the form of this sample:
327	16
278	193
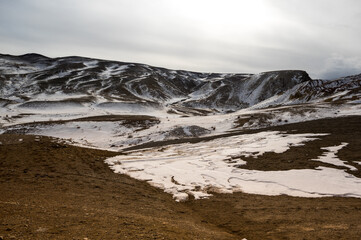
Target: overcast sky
322	37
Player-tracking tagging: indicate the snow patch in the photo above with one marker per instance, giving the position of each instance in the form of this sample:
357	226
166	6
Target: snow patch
201	168
331	157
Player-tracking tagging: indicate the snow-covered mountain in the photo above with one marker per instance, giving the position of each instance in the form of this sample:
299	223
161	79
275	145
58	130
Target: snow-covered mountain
33	80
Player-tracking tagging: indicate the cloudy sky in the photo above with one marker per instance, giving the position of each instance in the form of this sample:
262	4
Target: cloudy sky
322	37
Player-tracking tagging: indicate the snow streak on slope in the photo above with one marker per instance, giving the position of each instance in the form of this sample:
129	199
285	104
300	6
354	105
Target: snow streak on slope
331	158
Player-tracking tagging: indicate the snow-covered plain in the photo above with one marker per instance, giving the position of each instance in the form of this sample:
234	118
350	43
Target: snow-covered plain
114	136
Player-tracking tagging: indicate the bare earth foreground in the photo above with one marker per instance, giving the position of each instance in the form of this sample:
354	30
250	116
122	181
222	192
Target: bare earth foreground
50	190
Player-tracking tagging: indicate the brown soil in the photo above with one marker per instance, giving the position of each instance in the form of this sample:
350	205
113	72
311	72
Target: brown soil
339	130
140	121
101	118
53	191
50	190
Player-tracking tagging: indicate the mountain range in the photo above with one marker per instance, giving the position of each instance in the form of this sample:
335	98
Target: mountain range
36	81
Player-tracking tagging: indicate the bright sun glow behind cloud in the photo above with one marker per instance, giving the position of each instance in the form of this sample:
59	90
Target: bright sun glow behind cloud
226	17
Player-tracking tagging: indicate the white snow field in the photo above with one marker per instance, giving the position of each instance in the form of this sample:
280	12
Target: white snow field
114	136
205	167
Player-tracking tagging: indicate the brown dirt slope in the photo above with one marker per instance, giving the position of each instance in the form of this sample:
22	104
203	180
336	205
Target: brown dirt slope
53	191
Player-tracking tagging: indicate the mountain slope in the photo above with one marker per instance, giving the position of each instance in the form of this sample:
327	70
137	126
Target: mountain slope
28	81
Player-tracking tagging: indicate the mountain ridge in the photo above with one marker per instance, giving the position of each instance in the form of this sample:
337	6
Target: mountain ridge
117	84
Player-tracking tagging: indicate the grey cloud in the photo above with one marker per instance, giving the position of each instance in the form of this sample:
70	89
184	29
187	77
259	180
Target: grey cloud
309	35
339	66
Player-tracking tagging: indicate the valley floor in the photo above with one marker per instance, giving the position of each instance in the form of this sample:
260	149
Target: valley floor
50	190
